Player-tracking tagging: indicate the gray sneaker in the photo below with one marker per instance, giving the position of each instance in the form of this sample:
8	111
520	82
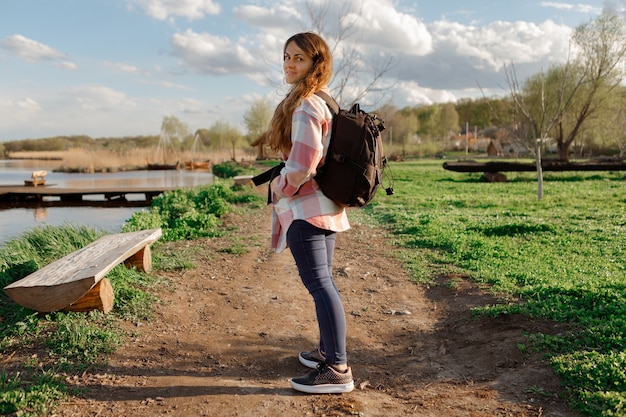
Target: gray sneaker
324	380
311	359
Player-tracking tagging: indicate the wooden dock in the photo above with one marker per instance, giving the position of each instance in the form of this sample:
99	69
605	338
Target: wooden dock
22	196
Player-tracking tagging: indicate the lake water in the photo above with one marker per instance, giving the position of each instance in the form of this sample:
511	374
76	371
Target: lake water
14	221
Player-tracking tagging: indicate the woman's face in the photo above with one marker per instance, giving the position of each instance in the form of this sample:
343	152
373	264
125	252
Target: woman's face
296	64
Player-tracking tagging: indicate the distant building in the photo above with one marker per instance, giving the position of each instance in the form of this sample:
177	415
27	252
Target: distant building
495	148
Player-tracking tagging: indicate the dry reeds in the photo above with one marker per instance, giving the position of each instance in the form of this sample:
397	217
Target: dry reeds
103	160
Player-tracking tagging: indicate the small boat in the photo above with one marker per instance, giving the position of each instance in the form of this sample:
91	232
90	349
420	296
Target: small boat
197	149
198	165
163	166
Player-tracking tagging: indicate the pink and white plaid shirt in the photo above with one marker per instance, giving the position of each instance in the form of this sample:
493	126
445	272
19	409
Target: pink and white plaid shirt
296	195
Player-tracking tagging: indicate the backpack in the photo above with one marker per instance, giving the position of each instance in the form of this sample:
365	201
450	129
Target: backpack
354	165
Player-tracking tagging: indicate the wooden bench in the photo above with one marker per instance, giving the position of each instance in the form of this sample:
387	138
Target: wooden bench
76	282
36	178
243	180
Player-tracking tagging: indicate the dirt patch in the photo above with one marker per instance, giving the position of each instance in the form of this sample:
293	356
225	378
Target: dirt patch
225	340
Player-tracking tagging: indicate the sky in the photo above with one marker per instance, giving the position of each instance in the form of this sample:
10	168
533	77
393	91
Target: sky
114	68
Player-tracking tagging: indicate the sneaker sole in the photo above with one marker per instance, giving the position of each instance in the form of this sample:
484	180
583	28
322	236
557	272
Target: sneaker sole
323	388
308	363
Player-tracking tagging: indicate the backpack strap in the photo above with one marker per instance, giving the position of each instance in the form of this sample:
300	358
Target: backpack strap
330	102
268	176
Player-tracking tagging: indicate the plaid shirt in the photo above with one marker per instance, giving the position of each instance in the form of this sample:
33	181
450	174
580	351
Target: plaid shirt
296	195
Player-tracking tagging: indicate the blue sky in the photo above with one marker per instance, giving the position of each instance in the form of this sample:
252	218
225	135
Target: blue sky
109	68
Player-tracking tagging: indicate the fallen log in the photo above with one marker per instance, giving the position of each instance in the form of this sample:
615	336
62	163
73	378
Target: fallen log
546	165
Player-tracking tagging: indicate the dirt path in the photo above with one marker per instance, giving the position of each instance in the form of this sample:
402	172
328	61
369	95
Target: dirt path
224	342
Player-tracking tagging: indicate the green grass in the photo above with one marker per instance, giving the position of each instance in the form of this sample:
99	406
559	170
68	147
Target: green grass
231	169
59	344
191	214
561	258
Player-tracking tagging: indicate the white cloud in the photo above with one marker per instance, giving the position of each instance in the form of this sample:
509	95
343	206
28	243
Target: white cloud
24	113
582	8
167	84
122	67
500	43
98	97
68	65
280	16
382	28
28	104
466	56
210	54
414	94
191	9
30	50
190	106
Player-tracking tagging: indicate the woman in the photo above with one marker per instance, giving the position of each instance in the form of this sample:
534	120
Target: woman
304	219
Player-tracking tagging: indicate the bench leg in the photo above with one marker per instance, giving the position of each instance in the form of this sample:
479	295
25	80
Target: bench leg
142	260
99	297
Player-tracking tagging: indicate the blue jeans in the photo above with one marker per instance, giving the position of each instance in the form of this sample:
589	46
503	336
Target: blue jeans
313	248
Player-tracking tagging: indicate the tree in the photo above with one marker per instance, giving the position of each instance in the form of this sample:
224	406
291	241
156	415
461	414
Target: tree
425	120
448	120
174	131
225	136
395	127
258	117
401	128
483	113
204	136
565	100
561	102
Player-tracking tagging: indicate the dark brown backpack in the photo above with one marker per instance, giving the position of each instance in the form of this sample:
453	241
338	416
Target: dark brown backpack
354	165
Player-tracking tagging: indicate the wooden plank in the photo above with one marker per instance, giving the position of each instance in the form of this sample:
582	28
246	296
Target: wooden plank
243	180
23	195
63	282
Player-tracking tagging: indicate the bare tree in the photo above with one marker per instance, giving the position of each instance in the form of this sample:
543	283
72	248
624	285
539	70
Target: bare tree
558	103
568	97
356	75
539	123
